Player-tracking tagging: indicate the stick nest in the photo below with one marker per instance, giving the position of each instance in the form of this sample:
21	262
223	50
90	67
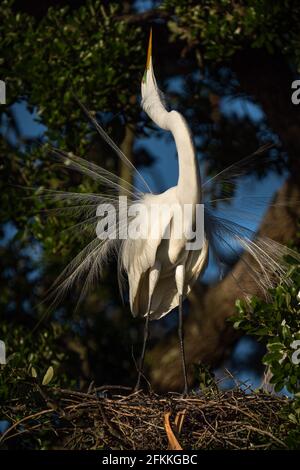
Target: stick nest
115	418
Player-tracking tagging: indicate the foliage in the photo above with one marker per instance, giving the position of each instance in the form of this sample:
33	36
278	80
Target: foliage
222	28
278	325
88	48
32	355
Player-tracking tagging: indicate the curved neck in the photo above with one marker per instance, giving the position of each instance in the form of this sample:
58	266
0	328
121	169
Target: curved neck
189	182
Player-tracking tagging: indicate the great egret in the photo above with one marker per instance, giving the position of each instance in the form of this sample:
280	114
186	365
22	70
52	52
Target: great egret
161	271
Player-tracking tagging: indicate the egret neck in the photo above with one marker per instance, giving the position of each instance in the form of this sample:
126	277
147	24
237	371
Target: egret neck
189	181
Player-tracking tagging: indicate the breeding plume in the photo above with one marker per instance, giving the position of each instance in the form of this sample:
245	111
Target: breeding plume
161	269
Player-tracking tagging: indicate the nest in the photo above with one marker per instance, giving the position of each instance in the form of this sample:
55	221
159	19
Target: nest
114	418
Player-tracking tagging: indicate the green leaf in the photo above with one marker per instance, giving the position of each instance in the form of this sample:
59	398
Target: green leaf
293	418
275	346
237	324
48	376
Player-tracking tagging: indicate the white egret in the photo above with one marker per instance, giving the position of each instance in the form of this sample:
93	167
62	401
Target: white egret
161	271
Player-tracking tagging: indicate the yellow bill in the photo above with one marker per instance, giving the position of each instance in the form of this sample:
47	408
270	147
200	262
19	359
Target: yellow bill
149	50
149	55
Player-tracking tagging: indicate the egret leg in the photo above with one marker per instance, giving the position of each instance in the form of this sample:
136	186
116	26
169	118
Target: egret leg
181	345
180	279
142	358
153	278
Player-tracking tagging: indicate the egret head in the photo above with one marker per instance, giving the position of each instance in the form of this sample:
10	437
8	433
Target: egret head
152	102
